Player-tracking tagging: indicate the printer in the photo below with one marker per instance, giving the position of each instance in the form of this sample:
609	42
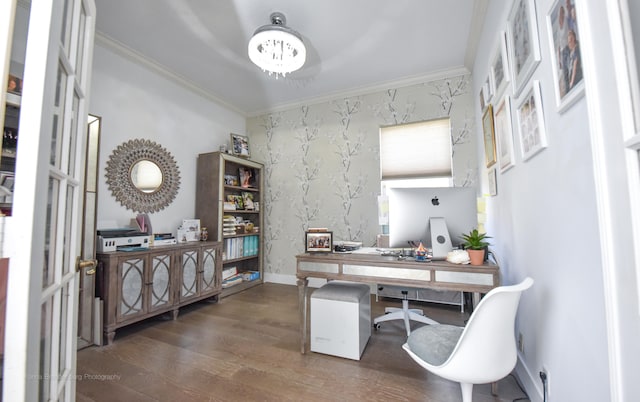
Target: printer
122	240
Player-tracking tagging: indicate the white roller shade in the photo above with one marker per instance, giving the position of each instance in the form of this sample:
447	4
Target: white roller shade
416	150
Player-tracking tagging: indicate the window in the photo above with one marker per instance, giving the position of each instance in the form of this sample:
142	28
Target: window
418	154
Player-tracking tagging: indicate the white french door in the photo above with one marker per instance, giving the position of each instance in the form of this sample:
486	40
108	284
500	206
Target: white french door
42	300
609	30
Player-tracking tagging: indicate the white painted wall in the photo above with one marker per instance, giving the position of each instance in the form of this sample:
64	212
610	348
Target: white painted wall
134	102
544	225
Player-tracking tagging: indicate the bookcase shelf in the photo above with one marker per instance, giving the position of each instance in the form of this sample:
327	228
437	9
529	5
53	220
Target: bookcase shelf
217	176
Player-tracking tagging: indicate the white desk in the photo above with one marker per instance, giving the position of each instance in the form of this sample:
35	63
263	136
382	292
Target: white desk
370	267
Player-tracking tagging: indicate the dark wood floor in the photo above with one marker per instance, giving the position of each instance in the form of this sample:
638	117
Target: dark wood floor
246	348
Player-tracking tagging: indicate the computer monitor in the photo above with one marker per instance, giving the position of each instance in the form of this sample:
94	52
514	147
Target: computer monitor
411	208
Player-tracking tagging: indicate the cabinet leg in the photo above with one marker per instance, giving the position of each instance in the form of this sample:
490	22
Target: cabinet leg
109	336
174	314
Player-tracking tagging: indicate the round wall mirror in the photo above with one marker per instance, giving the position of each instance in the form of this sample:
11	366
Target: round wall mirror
146	176
142	176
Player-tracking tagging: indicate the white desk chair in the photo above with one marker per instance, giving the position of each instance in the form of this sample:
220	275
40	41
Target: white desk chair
405	313
484	351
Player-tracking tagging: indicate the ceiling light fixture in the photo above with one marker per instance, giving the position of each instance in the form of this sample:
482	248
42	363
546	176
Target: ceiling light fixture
276	48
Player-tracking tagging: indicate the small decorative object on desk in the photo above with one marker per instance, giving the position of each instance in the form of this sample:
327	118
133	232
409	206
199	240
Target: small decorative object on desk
204	234
421	253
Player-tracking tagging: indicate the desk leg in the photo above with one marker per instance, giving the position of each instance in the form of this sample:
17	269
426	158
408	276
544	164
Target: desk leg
302	306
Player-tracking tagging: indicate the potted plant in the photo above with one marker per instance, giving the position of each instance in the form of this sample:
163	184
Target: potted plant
475	243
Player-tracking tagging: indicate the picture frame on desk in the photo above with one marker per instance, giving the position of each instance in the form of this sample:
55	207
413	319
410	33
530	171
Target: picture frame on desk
318	242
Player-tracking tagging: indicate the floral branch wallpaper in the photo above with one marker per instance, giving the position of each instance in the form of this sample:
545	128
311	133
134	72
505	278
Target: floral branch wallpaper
322	161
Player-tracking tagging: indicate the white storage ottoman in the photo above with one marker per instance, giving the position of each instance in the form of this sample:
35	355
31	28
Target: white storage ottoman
341	319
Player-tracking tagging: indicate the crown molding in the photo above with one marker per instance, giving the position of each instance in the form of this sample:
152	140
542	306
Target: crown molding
138	58
366	90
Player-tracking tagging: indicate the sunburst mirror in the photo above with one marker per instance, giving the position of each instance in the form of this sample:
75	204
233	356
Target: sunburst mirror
142	176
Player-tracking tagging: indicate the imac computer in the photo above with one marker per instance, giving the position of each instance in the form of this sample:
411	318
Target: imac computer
437	215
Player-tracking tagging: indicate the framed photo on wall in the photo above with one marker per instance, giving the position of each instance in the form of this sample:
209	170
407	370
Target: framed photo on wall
524	48
489	137
564	42
500	66
504	133
240	145
318	242
533	137
493	184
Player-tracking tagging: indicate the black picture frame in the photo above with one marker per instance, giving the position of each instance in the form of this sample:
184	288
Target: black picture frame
318	242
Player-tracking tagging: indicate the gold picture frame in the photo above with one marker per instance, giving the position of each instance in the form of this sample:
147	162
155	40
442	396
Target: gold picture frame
489	135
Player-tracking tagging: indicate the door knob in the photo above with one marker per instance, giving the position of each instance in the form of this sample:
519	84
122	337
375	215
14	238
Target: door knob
81	264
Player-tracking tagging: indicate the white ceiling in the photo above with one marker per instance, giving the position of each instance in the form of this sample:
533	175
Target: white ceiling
352	45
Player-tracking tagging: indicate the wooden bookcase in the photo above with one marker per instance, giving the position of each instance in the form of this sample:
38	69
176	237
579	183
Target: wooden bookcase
219	180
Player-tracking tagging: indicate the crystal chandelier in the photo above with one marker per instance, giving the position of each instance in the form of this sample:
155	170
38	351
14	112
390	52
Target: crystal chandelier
276	48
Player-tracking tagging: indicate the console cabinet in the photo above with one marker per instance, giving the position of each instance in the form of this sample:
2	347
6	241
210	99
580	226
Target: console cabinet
224	178
141	284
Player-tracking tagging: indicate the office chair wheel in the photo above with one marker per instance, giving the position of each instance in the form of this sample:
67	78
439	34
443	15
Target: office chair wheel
376	326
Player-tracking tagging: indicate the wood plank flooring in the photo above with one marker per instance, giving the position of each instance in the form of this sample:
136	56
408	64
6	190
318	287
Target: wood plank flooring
246	348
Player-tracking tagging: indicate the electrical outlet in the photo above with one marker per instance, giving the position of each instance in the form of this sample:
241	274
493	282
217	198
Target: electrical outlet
545	377
520	342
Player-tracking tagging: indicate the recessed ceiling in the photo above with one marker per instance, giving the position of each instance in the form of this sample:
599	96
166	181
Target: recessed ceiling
352	45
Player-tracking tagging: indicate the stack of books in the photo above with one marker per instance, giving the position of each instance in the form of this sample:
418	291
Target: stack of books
228	225
163	239
230	277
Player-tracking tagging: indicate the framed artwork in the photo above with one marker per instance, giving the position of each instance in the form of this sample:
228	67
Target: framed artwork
533	138
504	133
493	185
236	200
500	66
488	89
318	242
489	137
524	48
240	145
564	42
247	177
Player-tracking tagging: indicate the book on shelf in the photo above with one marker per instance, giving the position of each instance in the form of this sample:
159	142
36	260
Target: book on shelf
232	281
248	276
229	272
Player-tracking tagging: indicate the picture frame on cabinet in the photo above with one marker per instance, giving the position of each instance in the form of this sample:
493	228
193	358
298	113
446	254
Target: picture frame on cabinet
240	145
533	137
564	43
522	42
500	65
318	242
489	137
504	133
